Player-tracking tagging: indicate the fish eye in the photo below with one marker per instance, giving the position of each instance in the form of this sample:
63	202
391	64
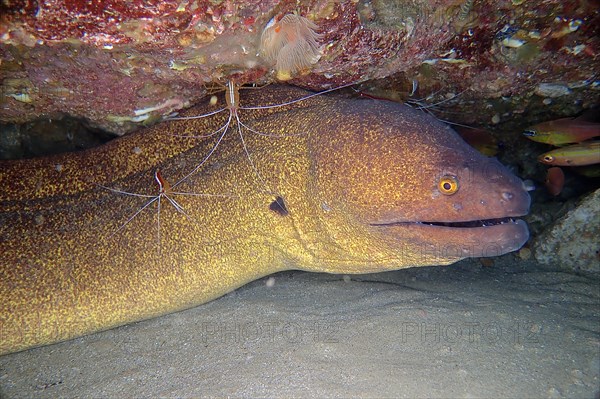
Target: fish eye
548	158
448	185
529	133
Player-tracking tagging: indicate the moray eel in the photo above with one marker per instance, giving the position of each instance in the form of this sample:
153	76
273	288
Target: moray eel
348	186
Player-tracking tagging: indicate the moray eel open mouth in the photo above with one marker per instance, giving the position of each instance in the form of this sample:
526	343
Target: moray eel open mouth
461	239
463	224
474	223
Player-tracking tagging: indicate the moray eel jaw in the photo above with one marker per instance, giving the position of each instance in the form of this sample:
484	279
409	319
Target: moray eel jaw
460	240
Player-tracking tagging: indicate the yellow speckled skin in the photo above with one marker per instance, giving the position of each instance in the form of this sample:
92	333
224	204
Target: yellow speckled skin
354	175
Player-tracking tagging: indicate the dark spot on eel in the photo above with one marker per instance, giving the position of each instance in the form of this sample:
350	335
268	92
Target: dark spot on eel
278	206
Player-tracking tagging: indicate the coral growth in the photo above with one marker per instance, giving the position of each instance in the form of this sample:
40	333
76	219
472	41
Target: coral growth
122	64
292	43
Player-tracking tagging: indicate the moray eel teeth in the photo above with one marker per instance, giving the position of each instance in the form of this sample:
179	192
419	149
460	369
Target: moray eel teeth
468	224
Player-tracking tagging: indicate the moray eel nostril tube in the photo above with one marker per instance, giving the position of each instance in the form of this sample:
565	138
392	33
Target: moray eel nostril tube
368	186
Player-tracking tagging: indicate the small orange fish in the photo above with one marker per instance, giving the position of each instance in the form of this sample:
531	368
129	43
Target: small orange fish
587	153
480	139
555	180
563	131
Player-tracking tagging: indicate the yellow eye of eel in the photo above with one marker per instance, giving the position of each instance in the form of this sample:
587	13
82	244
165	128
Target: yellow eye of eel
448	185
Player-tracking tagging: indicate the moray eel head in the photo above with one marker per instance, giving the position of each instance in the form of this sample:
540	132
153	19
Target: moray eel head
418	193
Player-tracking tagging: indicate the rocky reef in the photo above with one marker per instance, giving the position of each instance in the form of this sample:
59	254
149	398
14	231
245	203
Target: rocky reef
121	64
572	242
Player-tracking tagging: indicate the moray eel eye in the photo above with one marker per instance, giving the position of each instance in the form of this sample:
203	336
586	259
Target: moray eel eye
448	185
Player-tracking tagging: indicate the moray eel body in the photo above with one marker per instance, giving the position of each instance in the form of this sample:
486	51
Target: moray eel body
351	186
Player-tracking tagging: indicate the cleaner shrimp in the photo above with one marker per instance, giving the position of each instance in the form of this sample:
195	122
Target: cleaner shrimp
165	192
232	100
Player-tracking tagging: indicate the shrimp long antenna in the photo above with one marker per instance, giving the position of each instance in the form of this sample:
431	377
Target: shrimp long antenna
165	190
184	118
223	128
301	98
263	181
233	105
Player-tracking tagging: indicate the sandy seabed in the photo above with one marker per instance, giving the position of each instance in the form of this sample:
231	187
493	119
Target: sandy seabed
512	330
